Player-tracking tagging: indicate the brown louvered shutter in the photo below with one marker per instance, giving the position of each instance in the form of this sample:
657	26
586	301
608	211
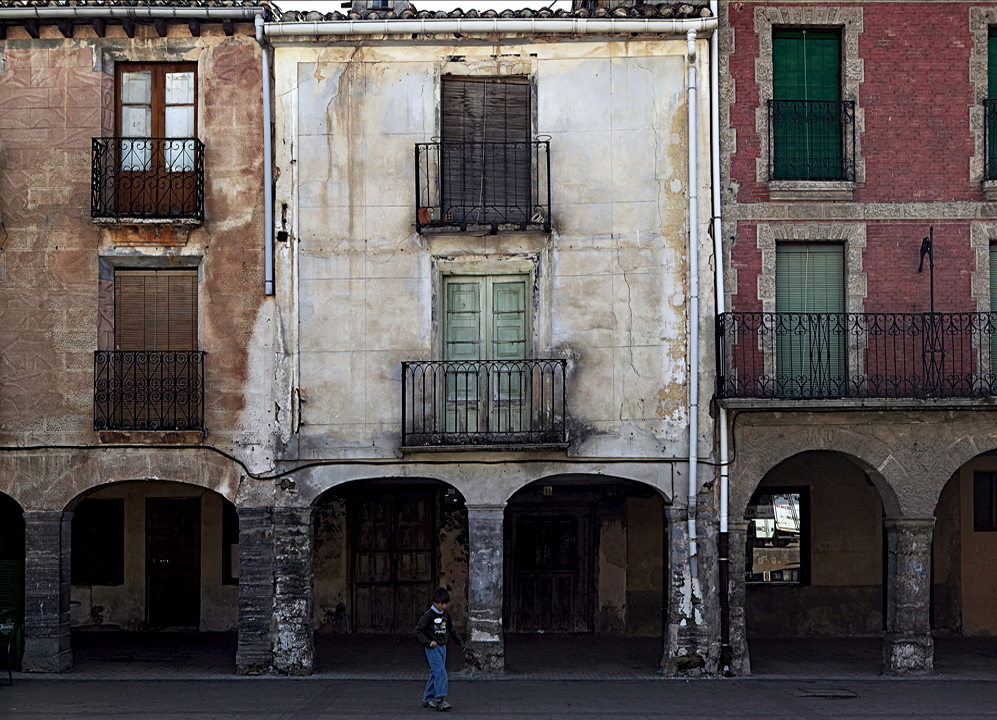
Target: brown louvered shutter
155	310
485	157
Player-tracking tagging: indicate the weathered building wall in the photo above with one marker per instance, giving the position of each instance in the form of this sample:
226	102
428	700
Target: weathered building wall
608	283
978	549
57	94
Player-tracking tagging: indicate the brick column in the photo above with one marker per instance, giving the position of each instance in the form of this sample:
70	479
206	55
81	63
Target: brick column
254	655
46	591
681	637
737	542
484	594
907	646
294	573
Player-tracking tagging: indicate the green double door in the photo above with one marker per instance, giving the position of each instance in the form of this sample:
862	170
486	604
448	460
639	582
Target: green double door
486	319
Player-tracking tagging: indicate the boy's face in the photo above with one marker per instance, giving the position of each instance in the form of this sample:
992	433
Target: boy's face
440	606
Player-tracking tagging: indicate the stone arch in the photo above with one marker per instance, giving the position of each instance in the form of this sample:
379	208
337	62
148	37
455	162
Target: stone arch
783	442
950	458
51	480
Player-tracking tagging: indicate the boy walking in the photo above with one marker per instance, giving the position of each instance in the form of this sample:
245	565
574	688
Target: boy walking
432	631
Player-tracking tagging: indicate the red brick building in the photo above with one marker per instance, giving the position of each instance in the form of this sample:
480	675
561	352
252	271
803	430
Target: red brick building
859	392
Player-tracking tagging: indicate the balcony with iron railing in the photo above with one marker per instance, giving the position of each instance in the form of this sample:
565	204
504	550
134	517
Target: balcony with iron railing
484	403
147	180
811	140
149	390
461	185
825	356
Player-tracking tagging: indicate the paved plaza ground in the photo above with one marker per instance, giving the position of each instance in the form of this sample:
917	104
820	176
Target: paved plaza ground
185	676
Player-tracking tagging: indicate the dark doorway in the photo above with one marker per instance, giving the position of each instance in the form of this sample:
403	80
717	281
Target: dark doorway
551	574
547	574
172	561
394	557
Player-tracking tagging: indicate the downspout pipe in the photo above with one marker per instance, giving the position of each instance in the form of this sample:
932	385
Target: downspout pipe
721	303
693	317
427	26
268	283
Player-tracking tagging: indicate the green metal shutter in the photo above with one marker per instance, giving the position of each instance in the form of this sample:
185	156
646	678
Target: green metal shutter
991	119
992	64
810	325
993	306
806	137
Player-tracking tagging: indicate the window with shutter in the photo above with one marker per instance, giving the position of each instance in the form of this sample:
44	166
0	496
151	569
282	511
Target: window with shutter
993	306
485	150
990	107
806	109
155	310
810	306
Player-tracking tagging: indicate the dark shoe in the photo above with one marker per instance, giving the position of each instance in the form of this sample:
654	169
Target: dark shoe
442	704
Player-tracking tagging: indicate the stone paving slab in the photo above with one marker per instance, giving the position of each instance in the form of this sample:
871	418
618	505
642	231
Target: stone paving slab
295	699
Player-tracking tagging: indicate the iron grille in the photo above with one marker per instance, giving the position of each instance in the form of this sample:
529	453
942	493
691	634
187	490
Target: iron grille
148	390
461	184
989	147
484	402
147	178
811	140
860	355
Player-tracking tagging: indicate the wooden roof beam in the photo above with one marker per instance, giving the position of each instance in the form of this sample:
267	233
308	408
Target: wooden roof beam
32	27
195	27
129	25
65	27
161	26
100	26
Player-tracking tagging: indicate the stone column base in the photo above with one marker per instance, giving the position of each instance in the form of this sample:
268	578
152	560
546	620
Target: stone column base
908	654
486	658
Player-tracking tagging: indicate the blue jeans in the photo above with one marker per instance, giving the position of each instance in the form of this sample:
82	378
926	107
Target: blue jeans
437	685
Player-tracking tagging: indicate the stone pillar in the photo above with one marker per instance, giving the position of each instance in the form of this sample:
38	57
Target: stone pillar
254	654
907	646
294	573
681	636
46	591
737	542
484	594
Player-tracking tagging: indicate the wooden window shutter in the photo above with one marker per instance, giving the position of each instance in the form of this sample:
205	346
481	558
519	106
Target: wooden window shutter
155	310
486	158
810	278
508	320
806	65
992	64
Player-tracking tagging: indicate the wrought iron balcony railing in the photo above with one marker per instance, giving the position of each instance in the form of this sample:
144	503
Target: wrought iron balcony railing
484	402
811	140
990	139
856	355
147	178
148	390
461	184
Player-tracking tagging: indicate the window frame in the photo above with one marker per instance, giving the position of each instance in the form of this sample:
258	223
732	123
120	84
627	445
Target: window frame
486	282
805	530
847	19
85	548
159	71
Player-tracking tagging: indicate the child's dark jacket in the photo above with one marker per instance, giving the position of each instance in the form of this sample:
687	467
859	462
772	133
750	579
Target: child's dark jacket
435	626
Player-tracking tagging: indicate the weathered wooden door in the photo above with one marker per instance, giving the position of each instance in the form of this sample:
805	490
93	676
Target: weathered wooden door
173	573
550	582
394	559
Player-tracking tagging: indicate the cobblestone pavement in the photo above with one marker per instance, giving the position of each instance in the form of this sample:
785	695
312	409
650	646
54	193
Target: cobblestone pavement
293	699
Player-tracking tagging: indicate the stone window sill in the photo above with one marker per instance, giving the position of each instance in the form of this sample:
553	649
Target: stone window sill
990	190
811	190
146	437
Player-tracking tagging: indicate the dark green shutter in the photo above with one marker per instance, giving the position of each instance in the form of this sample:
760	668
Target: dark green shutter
991	108
806	134
993	306
810	324
992	64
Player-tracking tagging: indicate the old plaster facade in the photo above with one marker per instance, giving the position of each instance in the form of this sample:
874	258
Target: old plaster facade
605	271
94	423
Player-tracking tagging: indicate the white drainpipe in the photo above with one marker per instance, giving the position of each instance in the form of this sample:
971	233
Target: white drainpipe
693	312
570	26
267	166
